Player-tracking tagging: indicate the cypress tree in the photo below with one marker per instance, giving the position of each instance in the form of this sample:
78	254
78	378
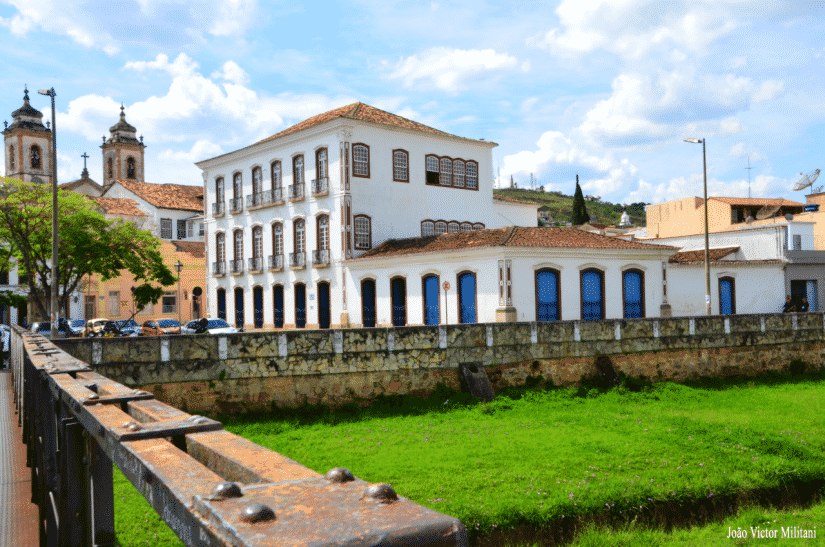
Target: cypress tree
580	215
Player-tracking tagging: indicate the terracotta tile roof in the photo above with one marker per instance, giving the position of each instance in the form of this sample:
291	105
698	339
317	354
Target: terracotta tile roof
194	248
512	236
365	113
698	256
758	201
167	196
78	183
119	206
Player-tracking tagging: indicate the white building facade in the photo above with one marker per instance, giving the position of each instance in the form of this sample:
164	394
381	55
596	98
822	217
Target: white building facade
284	215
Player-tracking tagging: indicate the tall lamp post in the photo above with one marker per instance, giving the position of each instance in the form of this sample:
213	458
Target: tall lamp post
50	93
178	267
707	244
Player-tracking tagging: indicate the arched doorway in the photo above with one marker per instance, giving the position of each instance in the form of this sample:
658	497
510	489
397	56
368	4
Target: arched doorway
368	302
324	312
239	319
727	296
633	294
398	290
278	304
258	306
467	297
548	295
300	305
432	308
222	304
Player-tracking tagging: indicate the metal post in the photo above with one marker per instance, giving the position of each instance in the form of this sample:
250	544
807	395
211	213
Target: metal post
50	92
707	244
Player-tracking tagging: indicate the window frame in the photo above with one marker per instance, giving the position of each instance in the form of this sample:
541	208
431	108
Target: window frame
642	288
319	164
276	181
355	232
11	158
431	226
220	246
220	190
322	240
131	164
257	242
167	295
581	292
237	244
303	233
32	149
463	164
237	185
732	293
167	221
178	226
432	178
558	290
406	156
355	162
277	239
257	187
467	186
298	171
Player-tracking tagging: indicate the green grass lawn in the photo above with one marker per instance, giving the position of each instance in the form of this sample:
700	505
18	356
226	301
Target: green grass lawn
537	456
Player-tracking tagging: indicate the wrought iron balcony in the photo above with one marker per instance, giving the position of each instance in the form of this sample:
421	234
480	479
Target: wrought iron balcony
267	197
219	268
297	260
296	191
236	205
320	187
276	262
236	266
256	264
218	208
320	257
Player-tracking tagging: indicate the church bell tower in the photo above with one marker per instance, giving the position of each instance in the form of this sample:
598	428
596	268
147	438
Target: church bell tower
122	153
28	145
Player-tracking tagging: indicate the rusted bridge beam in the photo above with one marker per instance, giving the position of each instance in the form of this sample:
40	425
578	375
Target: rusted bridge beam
210	486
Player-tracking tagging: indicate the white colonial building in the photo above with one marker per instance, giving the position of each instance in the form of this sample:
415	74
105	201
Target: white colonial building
295	223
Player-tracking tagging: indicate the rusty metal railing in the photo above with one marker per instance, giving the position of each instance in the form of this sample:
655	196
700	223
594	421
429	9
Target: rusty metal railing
210	486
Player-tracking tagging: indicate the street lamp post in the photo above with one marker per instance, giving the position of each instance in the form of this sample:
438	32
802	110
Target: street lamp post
178	267
707	244
50	93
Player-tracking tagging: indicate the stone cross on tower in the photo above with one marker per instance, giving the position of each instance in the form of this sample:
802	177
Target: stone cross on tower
85	173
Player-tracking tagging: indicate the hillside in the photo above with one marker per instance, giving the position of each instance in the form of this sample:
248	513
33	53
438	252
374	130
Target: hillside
561	206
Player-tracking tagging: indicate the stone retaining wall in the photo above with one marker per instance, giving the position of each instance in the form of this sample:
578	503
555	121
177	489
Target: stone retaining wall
254	370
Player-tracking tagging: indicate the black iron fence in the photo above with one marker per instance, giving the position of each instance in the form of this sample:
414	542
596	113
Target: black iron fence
210	486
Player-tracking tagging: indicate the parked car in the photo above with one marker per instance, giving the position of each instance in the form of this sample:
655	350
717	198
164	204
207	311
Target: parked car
95	327
75	327
106	327
210	326
160	327
128	327
44	328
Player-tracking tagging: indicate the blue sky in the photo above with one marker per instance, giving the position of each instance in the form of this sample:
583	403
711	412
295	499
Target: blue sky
605	90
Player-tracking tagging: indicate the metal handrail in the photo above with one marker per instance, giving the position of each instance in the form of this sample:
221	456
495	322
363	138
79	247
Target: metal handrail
297	260
296	191
276	262
320	256
219	268
320	186
236	266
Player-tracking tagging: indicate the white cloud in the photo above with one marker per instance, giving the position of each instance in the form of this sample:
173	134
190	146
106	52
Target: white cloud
769	90
740	150
232	73
450	70
631	28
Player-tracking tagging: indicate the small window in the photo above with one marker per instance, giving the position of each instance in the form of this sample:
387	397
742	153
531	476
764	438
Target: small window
168	302
219	195
363	232
238	248
181	229
453	227
360	160
36	159
478	226
400	166
220	247
110	168
257	180
323	233
299	233
190	229
298	170
446	172
130	168
200	229
237	186
166	228
114	303
321	164
277	239
427	228
471	175
458	173
257	242
432	170
440	227
275	173
466	227
11	156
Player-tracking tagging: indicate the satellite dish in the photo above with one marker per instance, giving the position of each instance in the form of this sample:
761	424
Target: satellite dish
818	189
805	180
767	211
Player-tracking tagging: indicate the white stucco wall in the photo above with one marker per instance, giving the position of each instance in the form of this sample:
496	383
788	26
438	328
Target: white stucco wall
152	222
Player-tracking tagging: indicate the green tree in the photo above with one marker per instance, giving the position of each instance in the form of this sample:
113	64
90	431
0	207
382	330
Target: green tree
580	215
88	244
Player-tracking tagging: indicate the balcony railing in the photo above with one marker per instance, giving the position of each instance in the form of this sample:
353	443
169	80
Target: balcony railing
320	187
296	191
219	268
267	197
236	266
297	260
276	262
256	264
320	257
236	205
218	208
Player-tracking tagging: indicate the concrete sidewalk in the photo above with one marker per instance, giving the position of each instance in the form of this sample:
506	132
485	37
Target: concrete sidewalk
18	516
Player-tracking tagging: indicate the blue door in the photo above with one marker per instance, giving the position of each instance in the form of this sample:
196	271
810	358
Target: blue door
547	293
300	305
592	298
239	307
222	304
727	306
368	303
467	297
258	306
323	305
633	300
278	298
398	288
432	311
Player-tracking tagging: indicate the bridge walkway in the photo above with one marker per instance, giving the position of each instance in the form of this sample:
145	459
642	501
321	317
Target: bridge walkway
18	516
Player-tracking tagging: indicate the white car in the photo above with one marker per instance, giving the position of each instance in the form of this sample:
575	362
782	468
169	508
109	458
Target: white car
210	326
5	332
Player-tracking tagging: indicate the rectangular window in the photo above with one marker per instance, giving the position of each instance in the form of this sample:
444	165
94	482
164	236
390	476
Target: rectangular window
181	229
432	170
114	303
200	228
168	301
363	235
360	160
190	228
400	166
298	170
471	175
276	174
446	172
166	228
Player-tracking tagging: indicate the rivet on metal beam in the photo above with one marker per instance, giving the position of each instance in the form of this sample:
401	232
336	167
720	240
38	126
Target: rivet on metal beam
132	426
93	396
226	490
257	512
339	474
383	493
